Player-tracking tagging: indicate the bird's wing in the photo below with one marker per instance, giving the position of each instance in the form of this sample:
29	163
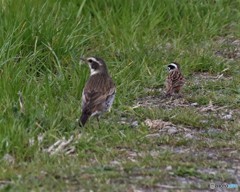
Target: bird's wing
97	93
176	79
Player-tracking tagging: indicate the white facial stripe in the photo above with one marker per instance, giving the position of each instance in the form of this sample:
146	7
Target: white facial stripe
93	72
173	64
94	59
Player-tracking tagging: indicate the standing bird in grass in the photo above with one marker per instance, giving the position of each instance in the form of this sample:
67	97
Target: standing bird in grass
175	79
99	91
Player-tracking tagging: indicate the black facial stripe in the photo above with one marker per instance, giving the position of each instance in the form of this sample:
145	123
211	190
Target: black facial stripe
94	65
171	67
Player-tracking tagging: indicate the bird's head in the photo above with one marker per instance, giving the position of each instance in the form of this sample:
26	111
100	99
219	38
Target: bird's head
96	65
173	66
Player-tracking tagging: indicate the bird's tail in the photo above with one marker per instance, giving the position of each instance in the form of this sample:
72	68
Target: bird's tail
83	119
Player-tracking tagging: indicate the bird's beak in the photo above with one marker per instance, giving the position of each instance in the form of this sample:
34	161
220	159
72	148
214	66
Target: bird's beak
83	59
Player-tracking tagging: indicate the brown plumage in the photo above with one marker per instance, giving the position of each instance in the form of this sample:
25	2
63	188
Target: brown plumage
99	91
175	79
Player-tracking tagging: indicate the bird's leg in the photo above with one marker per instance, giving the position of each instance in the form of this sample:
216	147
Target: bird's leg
98	122
178	94
169	93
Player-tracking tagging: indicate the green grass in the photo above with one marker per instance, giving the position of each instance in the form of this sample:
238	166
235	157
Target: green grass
41	43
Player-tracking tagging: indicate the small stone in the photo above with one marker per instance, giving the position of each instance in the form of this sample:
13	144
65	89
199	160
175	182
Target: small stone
236	42
124	119
194	104
31	141
168	46
213	131
189	136
204	121
172	130
40	138
227	117
9	158
153	135
134	124
169	168
115	163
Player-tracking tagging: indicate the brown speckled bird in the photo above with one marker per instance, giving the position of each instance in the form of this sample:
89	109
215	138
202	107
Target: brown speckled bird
99	92
175	79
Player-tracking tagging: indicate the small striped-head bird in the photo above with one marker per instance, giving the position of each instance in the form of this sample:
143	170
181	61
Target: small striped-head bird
175	79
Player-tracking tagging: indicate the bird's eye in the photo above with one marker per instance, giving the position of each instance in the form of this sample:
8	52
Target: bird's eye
90	60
